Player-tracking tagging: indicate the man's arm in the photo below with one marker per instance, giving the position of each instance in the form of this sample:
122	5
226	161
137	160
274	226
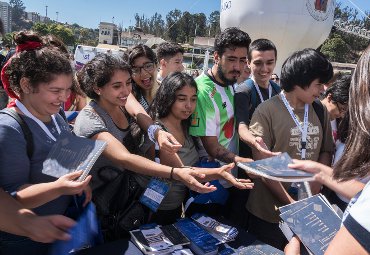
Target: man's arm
219	152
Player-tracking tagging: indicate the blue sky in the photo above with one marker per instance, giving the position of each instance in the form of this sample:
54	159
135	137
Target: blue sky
89	13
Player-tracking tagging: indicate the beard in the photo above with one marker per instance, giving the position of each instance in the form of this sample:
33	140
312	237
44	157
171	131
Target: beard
221	75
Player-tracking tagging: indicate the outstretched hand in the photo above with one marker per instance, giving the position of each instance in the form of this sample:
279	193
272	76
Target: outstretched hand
263	150
189	176
224	172
168	142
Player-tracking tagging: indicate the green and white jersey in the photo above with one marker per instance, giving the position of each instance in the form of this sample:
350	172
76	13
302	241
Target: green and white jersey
214	113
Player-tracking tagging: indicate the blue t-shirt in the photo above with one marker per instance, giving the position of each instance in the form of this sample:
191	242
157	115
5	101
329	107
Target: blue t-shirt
16	169
356	218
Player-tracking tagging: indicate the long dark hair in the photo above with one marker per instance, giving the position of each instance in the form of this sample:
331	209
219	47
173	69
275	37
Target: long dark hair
355	161
166	95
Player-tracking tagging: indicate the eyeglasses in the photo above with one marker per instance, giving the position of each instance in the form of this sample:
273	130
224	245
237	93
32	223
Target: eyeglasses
341	107
149	67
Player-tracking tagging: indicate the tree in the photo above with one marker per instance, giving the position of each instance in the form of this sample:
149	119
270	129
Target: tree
8	39
173	27
214	23
59	30
17	8
335	49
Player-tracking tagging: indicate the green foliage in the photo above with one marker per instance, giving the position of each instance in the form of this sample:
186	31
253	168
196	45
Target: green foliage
64	33
8	39
18	21
345	47
335	49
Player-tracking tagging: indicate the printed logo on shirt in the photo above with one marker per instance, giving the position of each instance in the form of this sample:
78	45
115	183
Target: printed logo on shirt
194	120
224	105
228	128
313	138
213	92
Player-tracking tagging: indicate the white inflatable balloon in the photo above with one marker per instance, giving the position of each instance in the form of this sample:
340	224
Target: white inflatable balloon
290	24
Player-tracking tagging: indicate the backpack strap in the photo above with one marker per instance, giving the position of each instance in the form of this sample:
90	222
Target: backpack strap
275	87
25	129
250	86
319	110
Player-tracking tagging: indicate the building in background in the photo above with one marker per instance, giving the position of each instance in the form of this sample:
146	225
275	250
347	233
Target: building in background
108	33
6	16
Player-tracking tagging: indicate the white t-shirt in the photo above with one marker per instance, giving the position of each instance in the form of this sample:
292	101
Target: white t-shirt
356	218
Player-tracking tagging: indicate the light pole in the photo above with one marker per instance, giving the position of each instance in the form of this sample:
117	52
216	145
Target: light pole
46	11
57	15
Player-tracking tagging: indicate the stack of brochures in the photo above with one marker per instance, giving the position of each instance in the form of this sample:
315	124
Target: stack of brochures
313	220
154	239
222	232
259	248
201	242
276	168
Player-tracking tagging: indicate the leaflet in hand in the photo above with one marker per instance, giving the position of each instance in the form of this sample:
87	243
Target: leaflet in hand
276	168
313	220
71	153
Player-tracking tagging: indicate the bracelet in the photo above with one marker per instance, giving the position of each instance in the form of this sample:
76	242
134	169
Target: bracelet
151	131
171	174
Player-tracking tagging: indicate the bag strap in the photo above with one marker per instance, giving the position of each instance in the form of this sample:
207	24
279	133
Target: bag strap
250	86
25	129
319	110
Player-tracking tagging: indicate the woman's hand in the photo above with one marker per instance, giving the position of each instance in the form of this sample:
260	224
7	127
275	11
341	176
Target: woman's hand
167	142
189	176
293	247
319	170
88	195
67	184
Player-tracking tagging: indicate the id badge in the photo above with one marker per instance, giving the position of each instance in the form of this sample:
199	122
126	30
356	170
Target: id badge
154	194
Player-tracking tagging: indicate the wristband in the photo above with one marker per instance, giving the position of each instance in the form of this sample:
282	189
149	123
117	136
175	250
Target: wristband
151	131
171	174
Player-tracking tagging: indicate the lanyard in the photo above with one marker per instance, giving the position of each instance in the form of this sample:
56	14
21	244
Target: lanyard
259	91
24	110
305	123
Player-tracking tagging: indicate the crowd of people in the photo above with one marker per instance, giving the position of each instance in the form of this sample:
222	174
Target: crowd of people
166	130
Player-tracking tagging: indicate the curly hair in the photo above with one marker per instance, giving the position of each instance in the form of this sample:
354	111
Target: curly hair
231	38
99	71
39	65
166	95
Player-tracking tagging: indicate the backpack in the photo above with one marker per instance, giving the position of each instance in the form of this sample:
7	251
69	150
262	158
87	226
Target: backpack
317	105
25	129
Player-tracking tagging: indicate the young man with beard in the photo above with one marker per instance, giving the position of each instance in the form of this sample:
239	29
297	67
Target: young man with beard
290	122
213	119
